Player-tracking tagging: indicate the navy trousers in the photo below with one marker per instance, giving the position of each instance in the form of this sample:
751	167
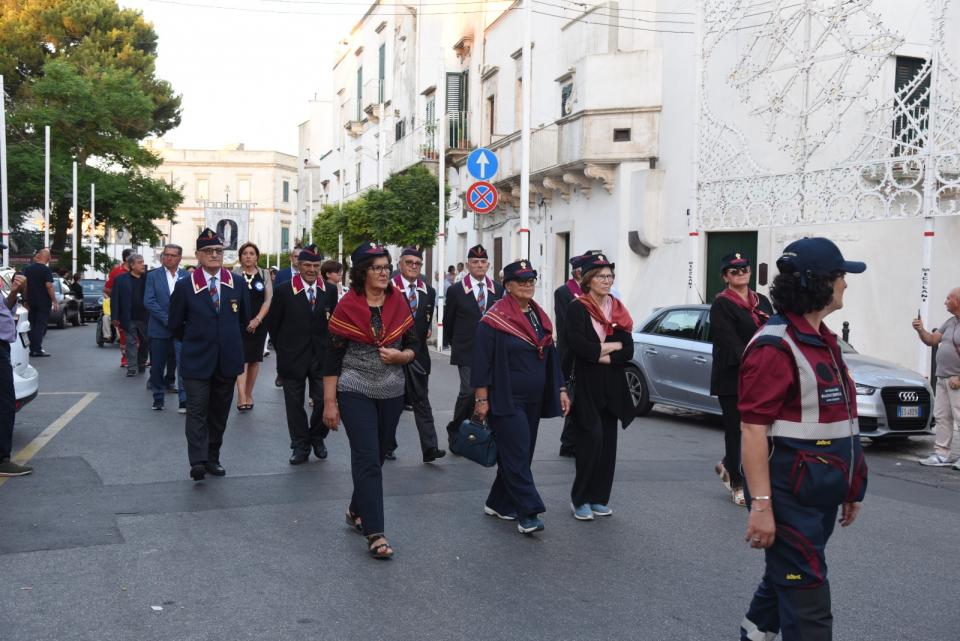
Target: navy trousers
371	426
8	402
38	316
513	490
165	367
208	406
794	595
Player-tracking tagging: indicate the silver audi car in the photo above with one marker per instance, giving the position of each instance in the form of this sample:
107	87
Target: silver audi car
672	359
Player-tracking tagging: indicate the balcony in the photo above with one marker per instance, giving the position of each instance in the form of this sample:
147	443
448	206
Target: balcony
352	119
373	96
458	144
419	145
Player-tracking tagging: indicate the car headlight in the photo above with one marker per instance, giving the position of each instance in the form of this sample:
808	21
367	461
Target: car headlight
865	390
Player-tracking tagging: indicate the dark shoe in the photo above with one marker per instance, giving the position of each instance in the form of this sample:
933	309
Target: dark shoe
40	354
215	468
9	468
182	408
198	472
433	454
390	455
141	369
171	390
530	524
408	408
320	451
278	382
157	404
299	458
131	373
568	452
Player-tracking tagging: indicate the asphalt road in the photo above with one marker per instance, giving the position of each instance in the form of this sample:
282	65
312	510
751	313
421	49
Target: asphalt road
110	540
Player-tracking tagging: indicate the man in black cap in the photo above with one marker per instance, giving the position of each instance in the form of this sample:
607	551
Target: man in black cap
422	299
298	322
466	303
208	312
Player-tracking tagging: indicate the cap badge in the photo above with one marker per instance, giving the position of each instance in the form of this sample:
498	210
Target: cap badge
738	256
523	265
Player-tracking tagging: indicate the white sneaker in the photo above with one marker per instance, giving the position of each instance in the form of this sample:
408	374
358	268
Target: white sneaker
935	460
956	465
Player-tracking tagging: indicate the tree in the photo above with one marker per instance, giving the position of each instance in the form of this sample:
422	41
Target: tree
86	69
403	213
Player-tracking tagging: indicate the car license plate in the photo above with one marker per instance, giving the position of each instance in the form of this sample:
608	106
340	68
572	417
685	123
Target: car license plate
909	411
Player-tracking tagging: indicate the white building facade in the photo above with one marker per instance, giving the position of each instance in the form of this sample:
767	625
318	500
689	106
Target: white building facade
263	182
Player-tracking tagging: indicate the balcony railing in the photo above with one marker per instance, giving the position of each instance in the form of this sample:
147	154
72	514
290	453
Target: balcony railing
373	95
458	130
416	146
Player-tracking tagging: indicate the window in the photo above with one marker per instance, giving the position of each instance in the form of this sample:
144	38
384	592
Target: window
400	129
518	104
566	99
359	93
284	239
286	191
491	117
457	96
203	189
679	323
383	72
358	176
243	190
912	107
621	135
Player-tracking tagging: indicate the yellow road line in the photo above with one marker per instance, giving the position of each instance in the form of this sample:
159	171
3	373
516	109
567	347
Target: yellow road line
51	430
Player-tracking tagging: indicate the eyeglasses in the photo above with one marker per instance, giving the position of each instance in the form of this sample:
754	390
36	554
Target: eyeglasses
412	263
212	251
604	277
526	281
381	269
738	270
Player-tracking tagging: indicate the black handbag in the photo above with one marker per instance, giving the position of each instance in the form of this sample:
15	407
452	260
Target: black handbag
475	441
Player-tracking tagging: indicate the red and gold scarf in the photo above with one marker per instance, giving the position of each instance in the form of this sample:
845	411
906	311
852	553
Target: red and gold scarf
506	316
352	319
752	304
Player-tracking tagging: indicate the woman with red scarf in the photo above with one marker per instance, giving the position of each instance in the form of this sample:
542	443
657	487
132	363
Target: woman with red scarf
736	314
371	339
598	332
517	381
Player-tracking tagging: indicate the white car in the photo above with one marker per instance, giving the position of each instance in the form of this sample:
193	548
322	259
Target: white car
26	379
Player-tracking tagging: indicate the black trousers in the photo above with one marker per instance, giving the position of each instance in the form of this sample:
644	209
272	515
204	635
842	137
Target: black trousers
371	426
731	438
596	447
417	393
208	405
799	614
568	436
463	409
38	316
8	402
305	434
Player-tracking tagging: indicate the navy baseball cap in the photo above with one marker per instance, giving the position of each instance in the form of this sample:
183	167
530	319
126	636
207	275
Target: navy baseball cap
816	257
367	250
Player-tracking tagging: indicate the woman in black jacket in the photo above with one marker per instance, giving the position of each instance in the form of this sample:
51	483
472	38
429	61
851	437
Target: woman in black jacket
736	314
597	332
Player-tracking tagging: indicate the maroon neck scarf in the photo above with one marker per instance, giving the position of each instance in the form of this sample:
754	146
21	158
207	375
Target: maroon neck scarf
752	304
351	319
619	316
574	288
507	317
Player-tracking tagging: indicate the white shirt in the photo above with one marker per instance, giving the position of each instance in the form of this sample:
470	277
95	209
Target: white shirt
171	278
407	284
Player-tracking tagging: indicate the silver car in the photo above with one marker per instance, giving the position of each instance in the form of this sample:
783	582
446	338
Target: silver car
673	356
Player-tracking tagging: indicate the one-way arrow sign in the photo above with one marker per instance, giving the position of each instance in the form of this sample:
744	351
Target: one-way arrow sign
482	163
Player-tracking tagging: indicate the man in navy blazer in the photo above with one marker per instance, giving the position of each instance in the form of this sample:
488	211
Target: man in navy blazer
164	348
287	273
208	312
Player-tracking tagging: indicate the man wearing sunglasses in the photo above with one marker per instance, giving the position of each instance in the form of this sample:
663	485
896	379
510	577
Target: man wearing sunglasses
208	312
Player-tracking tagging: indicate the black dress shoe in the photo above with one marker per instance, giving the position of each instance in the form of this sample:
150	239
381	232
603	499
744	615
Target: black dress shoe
278	382
390	455
320	451
299	458
215	468
568	452
198	472
433	454
40	354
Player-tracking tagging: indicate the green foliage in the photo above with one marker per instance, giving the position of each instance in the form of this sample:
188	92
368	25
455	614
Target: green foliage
86	69
403	213
103	261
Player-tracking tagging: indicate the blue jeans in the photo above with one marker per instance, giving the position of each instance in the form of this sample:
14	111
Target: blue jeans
161	359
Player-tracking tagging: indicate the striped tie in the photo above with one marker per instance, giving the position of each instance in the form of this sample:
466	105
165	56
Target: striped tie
311	297
481	298
214	292
412	299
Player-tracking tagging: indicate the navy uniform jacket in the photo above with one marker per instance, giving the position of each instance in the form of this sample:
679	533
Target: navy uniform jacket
461	313
426	307
211	340
299	333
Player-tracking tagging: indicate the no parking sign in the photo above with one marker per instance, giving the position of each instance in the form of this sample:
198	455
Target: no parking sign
482	197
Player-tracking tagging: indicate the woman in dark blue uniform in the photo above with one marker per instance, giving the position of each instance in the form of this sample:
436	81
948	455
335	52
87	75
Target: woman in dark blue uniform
517	381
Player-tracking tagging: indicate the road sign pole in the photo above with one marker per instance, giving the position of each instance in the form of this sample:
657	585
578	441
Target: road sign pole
441	109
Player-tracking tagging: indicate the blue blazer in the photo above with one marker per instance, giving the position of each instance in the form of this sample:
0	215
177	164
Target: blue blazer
212	340
285	275
156	298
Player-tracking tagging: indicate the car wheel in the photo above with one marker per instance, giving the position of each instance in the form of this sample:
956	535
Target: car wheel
638	391
62	321
75	321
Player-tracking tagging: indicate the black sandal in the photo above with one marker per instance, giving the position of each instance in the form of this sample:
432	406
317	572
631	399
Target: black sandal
379	547
354	522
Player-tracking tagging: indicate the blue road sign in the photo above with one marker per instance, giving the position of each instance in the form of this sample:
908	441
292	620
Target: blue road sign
482	163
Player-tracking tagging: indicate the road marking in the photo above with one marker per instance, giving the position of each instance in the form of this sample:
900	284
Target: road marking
44	437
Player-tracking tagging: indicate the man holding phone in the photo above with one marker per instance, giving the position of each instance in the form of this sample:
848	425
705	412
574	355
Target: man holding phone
946	406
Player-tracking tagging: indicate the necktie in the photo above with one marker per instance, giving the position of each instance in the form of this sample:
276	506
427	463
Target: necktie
214	292
481	298
311	297
412	299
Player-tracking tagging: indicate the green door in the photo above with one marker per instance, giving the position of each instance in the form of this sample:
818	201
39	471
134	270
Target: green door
721	243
